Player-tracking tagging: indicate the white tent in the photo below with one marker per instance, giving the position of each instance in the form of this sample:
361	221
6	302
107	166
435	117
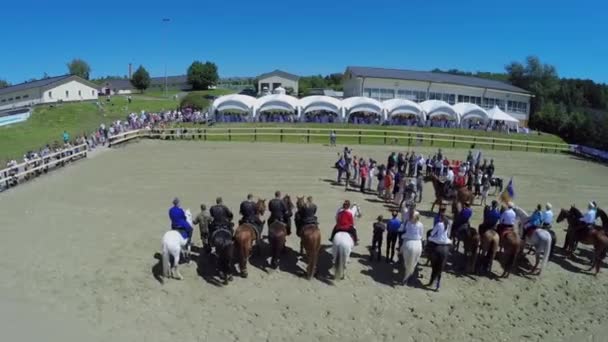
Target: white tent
496	114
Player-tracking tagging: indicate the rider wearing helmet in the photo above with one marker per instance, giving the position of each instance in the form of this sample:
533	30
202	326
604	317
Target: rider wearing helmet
345	222
590	215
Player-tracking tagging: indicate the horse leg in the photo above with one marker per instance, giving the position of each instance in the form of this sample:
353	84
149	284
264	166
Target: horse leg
244	255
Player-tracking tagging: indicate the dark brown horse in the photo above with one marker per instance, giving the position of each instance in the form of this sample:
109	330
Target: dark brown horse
490	244
470	239
310	241
277	234
244	237
462	194
577	232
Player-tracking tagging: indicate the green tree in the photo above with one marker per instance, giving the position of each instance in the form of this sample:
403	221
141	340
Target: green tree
202	76
140	79
80	68
4	83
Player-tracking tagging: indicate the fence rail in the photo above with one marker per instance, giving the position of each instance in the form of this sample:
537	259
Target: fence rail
386	136
24	170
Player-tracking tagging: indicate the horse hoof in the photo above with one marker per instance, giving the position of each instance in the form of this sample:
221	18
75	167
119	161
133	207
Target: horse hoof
244	275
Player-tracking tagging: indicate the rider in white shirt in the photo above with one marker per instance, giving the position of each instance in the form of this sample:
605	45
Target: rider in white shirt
507	218
450	176
590	215
548	216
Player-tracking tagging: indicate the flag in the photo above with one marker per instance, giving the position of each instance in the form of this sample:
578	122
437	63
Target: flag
509	193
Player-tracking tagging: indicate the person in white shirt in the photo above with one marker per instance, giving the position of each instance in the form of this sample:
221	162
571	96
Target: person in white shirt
590	215
439	248
548	216
507	218
411	248
450	176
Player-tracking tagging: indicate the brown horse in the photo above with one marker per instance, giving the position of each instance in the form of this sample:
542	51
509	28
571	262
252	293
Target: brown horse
244	237
462	194
490	244
310	240
511	244
277	234
577	232
470	238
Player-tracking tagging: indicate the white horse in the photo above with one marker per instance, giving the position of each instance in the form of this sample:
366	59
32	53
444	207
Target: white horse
173	245
541	240
342	246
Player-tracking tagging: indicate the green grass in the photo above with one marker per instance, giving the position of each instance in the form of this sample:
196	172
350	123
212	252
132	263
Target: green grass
47	123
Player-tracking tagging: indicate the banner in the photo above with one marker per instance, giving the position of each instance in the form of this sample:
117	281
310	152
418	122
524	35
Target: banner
589	152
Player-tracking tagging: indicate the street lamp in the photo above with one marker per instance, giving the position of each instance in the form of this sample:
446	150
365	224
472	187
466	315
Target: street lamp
166	20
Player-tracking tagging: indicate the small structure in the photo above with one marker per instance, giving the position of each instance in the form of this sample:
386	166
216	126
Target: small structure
268	82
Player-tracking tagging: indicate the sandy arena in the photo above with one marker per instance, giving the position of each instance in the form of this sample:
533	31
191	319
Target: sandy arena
78	256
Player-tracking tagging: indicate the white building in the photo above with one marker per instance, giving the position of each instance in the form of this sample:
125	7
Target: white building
418	86
66	88
275	79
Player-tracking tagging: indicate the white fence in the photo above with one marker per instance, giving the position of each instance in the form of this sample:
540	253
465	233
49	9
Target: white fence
13	175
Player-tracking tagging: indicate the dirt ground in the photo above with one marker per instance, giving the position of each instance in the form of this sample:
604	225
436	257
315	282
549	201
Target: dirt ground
78	256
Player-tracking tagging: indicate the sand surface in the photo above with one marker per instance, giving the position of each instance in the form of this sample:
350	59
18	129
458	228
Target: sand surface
78	256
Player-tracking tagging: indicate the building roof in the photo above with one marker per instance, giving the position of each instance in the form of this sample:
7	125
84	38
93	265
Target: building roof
280	73
119	83
180	79
34	84
435	77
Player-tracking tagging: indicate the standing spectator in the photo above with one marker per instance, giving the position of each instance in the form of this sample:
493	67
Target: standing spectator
388	184
378	231
364	173
66	137
393	226
419	186
332	138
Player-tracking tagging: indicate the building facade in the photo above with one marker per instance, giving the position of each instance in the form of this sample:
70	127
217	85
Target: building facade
275	79
68	88
418	86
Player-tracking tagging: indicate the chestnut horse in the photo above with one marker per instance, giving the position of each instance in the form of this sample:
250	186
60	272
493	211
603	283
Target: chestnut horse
277	235
512	245
462	194
310	240
244	237
489	246
577	232
470	237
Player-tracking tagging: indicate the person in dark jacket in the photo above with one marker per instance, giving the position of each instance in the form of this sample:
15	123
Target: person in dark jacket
306	215
222	216
278	210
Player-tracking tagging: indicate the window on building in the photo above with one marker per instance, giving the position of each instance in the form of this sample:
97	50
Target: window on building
17	97
26	96
264	86
275	85
92	92
79	93
387	94
67	93
375	93
3	100
50	94
10	99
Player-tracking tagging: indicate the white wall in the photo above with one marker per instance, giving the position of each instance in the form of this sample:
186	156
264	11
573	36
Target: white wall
72	87
19	99
285	83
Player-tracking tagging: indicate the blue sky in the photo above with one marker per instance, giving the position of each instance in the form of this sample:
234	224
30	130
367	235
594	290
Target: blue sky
246	38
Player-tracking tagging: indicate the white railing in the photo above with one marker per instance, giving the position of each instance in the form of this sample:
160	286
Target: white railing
124	137
24	170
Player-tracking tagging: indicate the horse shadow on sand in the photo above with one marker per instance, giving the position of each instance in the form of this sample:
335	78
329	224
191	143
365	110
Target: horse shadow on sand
579	262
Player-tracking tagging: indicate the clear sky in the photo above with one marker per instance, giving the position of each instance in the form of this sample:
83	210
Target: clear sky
246	38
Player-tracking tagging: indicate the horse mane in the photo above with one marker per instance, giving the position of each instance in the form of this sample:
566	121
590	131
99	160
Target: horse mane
574	211
260	206
288	202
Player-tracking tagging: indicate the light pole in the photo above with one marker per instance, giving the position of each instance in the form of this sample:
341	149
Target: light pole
166	22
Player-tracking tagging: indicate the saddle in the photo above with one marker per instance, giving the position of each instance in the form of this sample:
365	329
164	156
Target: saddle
504	231
219	232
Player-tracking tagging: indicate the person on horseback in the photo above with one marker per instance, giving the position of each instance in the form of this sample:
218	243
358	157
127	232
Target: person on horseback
507	218
462	219
535	221
345	222
179	221
306	215
222	217
590	215
278	210
491	216
248	211
490	169
548	216
449	182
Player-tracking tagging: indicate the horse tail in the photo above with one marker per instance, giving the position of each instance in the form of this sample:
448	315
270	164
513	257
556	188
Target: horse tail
165	259
340	262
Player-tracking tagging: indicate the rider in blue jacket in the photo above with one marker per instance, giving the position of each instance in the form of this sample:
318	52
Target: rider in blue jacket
179	221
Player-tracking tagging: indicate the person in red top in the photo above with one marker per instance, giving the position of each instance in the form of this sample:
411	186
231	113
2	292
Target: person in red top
363	173
345	222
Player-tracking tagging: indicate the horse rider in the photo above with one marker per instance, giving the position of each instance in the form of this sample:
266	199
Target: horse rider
534	222
345	222
548	216
203	220
507	218
590	215
449	181
461	221
278	211
248	212
222	217
491	216
179	221
306	215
